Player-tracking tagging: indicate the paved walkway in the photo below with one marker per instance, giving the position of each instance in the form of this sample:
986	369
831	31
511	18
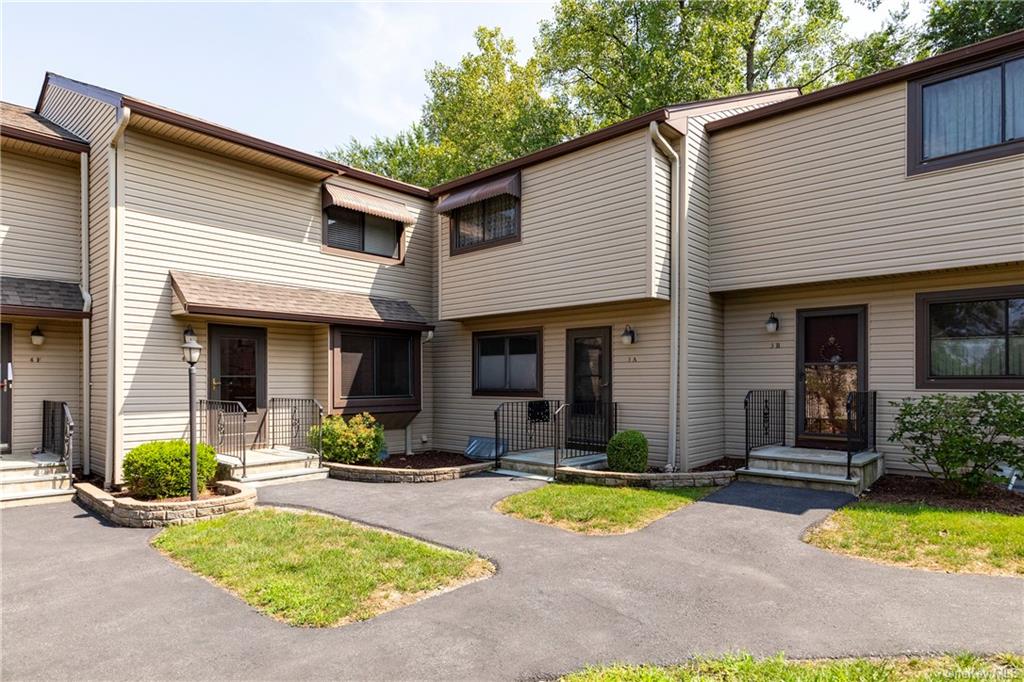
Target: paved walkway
86	601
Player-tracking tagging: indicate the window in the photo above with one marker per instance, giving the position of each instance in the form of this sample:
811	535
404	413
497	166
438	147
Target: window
968	115
507	363
375	369
361	232
486	223
971	339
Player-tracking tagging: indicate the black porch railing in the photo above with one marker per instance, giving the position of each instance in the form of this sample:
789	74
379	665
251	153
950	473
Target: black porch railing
289	423
861	407
765	419
221	424
567	429
58	431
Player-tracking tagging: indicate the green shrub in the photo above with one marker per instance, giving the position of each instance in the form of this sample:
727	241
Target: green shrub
360	439
627	451
962	438
163	468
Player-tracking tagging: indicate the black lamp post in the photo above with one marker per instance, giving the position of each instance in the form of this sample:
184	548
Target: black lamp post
190	351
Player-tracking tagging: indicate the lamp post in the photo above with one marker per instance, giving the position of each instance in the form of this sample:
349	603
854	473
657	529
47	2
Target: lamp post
190	351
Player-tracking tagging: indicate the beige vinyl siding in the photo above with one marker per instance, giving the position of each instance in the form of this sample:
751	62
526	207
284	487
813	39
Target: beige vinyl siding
822	194
40	218
95	122
751	362
585	237
190	210
661	234
639	372
52	371
322	365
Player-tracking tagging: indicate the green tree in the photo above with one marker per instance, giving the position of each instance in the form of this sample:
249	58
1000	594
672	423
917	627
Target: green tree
955	23
484	110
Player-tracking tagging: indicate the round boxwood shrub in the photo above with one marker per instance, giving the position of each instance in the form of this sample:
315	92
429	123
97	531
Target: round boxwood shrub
627	451
358	440
162	468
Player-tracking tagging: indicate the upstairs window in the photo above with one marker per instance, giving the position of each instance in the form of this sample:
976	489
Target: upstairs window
971	339
486	223
351	230
969	115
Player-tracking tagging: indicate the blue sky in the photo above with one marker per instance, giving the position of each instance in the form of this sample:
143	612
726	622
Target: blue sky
306	75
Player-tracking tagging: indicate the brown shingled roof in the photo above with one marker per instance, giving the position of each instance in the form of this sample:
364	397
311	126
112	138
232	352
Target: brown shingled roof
224	296
40	298
22	123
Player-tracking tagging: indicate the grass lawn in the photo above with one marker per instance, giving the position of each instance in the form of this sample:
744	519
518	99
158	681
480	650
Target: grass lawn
597	509
744	668
922	536
315	570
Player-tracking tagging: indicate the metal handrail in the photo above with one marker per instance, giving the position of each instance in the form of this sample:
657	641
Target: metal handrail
227	434
766	426
59	431
291	420
861	425
559	441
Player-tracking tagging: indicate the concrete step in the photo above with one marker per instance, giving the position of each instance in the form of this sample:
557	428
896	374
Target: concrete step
31	497
523	465
522	474
58	481
279	476
801	479
231	467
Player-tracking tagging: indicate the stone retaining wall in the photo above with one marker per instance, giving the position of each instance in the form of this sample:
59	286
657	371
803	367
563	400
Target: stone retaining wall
127	511
351	472
645	480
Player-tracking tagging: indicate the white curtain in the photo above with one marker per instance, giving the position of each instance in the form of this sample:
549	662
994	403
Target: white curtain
962	113
1015	99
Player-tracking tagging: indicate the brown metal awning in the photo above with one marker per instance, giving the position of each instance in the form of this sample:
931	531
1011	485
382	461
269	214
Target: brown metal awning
222	296
506	184
366	203
41	298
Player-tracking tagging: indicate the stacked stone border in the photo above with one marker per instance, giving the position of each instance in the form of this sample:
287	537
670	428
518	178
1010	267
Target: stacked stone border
646	480
127	511
351	472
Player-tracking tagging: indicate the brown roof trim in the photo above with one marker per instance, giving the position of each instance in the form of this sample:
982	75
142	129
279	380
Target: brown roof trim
32	311
382	181
44	140
924	67
658	115
195	309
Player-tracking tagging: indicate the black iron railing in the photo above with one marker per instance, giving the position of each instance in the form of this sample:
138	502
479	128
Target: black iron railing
765	418
860	425
221	424
289	422
59	431
567	429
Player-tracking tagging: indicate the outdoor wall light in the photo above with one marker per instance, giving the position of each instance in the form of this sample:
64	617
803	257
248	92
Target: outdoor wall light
37	336
771	325
628	336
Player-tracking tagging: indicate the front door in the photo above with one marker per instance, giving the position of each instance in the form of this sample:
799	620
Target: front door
238	365
589	388
831	362
6	387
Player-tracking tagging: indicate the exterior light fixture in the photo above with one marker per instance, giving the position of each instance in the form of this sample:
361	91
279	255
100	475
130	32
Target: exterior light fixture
771	325
190	352
37	336
628	336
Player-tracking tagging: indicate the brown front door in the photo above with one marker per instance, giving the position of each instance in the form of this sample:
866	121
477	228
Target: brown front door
6	387
831	362
589	387
238	365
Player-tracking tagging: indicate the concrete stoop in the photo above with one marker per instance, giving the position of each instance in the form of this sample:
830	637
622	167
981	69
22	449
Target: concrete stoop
265	468
37	480
812	468
533	467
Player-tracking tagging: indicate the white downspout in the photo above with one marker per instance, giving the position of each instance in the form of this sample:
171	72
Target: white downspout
116	243
84	444
675	303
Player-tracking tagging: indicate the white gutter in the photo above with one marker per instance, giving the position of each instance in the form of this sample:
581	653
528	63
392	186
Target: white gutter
675	303
114	338
84	444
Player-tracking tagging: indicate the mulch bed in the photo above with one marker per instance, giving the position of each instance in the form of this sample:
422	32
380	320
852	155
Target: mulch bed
431	459
921	490
722	464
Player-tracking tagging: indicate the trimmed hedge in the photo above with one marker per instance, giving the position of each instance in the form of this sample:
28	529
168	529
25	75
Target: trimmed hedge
627	452
163	468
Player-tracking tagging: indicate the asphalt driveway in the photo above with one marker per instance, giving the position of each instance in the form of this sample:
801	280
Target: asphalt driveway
82	600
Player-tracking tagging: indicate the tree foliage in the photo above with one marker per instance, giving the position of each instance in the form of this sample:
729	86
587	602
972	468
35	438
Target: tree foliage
956	23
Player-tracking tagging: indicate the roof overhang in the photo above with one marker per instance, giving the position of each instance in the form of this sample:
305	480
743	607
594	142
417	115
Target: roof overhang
509	184
26	297
343	197
203	295
33	137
